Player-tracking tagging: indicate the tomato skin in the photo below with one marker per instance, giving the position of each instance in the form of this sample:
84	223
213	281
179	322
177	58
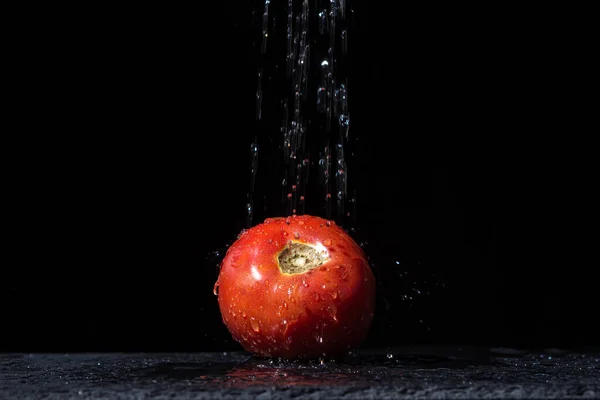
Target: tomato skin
327	310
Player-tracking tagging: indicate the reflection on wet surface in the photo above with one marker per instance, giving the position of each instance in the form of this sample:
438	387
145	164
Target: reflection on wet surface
357	369
401	372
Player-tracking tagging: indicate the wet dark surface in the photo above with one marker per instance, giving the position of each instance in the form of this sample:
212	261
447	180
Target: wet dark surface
441	372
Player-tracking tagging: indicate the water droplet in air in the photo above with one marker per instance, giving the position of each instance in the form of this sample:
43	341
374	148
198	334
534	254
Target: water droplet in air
321	99
265	27
323	24
344	125
390	356
344	42
254	325
259	95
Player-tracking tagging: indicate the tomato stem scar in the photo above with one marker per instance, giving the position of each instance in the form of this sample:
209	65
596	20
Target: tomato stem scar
298	258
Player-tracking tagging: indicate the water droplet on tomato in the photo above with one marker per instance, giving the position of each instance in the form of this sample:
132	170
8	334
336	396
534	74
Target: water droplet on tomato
270	241
332	310
288	340
327	242
297	235
285	305
343	273
301	222
316	296
216	288
254	325
328	223
244	315
334	294
304	283
287	220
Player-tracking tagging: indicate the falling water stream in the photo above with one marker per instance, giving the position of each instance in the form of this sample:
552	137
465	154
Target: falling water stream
303	48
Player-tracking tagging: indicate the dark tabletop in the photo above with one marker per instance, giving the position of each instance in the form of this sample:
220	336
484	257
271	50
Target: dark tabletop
411	372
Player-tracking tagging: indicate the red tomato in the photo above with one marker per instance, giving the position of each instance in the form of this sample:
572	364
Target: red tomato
296	287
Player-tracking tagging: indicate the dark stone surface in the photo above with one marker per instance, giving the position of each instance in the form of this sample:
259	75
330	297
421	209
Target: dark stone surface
443	372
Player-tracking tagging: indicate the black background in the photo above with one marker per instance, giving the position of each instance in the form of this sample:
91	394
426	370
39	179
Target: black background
135	171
